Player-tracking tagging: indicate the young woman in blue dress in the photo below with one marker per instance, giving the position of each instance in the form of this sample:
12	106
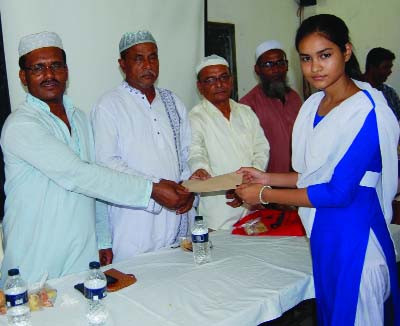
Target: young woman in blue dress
345	161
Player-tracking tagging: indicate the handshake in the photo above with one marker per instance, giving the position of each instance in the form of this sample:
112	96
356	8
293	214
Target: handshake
172	196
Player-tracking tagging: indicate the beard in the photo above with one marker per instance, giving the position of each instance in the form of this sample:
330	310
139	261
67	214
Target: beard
275	89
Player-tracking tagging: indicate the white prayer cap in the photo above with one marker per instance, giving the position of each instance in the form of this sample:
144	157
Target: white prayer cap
39	40
266	46
211	60
130	39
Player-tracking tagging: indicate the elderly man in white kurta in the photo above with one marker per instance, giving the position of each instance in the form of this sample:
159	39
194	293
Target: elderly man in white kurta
225	136
145	129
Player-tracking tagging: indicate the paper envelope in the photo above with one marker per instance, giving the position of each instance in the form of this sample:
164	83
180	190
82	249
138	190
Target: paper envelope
218	183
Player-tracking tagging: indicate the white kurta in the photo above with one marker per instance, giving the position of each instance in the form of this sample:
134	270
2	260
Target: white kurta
221	146
49	221
133	135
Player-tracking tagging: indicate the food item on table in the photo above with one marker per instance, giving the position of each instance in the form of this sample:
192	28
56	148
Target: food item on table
48	296
255	228
186	244
39	298
3	309
52	294
34	302
44	298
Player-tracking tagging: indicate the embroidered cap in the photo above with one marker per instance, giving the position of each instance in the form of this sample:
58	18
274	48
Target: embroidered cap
266	46
39	40
130	39
211	60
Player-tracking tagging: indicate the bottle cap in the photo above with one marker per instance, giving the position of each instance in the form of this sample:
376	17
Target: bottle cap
198	218
94	265
13	272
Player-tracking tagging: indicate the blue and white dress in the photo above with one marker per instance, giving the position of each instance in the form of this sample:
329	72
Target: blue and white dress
347	160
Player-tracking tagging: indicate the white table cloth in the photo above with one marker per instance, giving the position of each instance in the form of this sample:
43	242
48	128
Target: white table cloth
250	280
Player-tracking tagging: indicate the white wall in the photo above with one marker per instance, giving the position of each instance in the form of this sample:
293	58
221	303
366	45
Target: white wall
257	21
91	30
371	23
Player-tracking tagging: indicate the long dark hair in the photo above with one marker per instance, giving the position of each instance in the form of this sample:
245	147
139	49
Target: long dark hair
335	30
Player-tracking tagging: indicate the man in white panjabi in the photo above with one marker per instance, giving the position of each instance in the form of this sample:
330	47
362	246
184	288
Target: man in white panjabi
138	127
225	136
52	224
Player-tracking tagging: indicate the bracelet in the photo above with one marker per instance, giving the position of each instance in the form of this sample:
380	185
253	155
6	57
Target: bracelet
260	195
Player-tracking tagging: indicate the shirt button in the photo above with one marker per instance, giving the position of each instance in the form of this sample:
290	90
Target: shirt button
155	119
158	132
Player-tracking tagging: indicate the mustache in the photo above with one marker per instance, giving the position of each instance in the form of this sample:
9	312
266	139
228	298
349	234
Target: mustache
148	72
49	81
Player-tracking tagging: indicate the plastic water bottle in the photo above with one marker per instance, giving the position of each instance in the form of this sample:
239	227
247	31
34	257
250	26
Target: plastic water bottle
95	291
18	313
200	243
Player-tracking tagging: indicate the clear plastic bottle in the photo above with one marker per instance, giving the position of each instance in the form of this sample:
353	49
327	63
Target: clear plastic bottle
200	243
18	313
95	291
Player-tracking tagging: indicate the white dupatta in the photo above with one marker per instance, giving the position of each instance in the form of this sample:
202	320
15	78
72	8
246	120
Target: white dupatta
317	151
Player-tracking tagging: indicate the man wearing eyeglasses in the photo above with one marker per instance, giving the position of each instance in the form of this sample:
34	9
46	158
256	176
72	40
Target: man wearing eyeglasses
140	127
225	136
51	182
275	103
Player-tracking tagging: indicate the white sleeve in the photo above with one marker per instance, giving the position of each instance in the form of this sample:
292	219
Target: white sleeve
198	154
32	141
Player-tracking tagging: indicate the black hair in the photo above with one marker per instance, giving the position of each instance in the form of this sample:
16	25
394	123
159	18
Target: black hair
123	54
377	55
22	60
335	30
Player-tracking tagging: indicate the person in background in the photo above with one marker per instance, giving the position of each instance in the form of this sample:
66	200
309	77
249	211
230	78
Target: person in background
51	181
378	68
345	158
142	128
275	103
225	136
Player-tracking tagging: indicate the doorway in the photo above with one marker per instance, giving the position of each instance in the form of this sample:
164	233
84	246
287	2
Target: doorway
220	40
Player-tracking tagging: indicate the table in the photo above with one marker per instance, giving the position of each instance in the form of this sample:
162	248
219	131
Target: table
250	280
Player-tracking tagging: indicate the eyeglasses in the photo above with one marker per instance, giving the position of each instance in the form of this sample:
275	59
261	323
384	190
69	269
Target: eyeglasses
213	80
41	68
270	64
